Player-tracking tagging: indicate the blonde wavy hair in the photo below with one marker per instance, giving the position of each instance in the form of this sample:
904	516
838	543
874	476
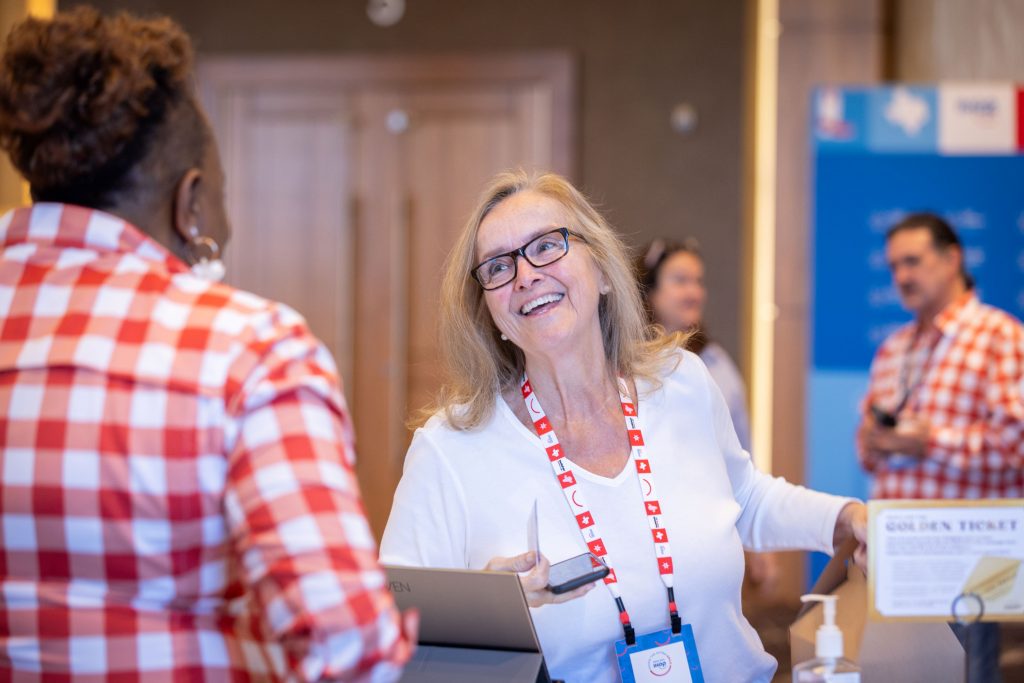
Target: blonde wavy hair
476	362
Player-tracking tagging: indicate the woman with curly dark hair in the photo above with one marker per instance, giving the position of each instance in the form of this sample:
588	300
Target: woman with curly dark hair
177	498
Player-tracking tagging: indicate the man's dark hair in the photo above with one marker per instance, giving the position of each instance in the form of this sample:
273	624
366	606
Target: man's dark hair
942	233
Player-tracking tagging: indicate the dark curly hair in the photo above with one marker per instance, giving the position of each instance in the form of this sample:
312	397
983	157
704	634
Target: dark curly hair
86	99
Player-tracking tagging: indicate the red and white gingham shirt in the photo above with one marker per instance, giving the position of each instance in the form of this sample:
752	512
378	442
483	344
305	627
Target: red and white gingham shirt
177	500
971	393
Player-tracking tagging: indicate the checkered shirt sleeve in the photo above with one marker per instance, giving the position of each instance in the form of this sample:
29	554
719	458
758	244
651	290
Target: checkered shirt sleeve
294	513
992	439
882	388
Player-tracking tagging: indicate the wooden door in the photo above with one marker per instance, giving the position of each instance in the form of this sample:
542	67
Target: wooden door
455	142
348	179
288	161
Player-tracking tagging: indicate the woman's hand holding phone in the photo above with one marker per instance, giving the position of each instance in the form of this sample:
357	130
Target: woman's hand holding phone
535	578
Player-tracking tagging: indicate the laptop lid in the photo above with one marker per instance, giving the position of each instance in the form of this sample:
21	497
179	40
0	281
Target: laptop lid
466	608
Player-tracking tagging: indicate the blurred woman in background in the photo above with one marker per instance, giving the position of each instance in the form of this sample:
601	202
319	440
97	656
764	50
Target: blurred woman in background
672	280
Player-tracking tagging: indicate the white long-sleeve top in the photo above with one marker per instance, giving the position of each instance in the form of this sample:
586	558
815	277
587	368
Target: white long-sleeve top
466	497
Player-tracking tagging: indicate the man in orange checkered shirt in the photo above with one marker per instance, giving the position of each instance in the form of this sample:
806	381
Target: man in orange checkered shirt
944	412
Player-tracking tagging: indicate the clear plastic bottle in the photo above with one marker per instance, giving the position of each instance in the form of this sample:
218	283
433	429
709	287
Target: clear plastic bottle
828	665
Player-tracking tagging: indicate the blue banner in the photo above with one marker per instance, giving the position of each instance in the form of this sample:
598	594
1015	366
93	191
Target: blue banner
878	154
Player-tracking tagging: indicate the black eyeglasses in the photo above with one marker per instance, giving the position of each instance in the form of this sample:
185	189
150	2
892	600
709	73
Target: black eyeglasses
541	251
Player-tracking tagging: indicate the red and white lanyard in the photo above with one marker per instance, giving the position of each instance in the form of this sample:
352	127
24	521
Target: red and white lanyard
563	470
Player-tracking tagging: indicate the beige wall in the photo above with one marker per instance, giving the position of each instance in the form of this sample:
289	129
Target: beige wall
820	42
636	59
936	40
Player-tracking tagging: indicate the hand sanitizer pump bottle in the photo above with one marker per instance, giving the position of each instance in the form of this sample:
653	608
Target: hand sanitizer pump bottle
828	665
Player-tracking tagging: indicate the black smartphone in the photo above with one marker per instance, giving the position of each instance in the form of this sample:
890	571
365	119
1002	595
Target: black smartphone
575	572
882	417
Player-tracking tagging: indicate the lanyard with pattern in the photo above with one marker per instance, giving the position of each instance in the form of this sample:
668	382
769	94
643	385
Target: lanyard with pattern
563	471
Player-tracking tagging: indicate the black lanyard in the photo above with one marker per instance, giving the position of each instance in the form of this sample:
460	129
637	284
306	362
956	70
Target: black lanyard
906	388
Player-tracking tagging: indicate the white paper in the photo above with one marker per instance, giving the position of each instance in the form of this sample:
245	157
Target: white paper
924	558
661	664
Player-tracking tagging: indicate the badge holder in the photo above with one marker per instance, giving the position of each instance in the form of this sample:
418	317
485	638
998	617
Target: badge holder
661	656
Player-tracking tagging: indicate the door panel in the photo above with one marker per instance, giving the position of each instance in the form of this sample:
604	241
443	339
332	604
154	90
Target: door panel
288	169
454	146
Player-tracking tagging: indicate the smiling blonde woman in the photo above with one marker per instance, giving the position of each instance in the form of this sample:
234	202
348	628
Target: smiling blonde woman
558	393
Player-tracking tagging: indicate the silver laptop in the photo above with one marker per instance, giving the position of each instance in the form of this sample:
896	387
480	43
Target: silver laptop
472	624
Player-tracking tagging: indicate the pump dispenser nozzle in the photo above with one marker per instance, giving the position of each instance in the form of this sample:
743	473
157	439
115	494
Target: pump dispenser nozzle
828	641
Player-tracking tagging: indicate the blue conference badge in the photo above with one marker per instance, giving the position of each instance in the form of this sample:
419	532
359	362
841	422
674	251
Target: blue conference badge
660	657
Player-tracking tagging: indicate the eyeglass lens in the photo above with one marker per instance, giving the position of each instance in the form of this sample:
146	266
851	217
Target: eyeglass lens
540	251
